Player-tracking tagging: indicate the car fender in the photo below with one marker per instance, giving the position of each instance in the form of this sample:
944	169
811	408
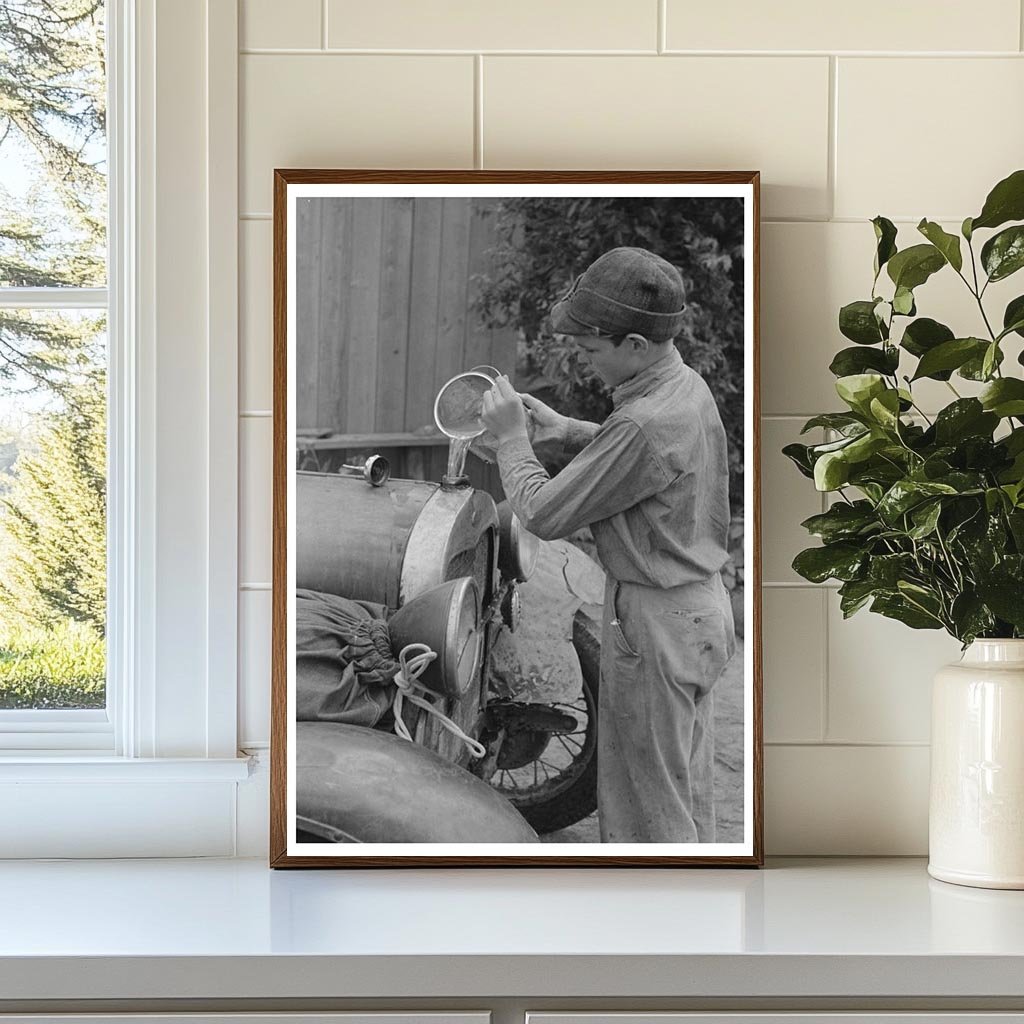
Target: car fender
366	786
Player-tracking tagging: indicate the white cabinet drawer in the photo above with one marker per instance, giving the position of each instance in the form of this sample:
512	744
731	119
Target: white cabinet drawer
933	1017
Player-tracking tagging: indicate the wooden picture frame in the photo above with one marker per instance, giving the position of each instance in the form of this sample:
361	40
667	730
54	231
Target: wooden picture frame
370	267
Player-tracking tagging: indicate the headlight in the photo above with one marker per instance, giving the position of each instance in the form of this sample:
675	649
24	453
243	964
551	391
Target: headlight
446	618
517	547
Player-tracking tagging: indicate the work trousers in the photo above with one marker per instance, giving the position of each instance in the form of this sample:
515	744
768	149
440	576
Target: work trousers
662	651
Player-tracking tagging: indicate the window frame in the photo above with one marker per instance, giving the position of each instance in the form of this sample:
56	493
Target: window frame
56	731
173	466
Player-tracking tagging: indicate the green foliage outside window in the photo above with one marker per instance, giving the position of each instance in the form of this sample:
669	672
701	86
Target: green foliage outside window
52	365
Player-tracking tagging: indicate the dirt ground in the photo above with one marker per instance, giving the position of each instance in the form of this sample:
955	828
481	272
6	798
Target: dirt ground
565	579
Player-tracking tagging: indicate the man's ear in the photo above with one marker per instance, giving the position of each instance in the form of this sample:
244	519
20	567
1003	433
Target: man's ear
638	344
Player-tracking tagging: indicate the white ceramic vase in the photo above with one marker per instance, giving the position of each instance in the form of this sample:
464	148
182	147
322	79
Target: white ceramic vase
976	815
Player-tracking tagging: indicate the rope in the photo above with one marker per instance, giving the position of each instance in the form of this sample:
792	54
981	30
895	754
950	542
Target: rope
414	659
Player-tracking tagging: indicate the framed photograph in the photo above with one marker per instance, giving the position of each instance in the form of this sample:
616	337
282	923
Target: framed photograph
516	565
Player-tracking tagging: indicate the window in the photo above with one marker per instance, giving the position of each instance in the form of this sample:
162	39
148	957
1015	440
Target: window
155	772
53	372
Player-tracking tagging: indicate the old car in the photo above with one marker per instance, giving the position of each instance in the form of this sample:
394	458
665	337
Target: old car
445	563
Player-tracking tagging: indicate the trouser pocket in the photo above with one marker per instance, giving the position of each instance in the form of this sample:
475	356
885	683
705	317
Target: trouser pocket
621	632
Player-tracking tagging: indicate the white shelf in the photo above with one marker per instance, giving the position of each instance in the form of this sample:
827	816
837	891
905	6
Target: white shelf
233	929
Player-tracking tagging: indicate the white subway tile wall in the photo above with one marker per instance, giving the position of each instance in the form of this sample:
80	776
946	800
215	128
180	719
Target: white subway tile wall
262	26
256	354
471	25
698	113
907	112
872	25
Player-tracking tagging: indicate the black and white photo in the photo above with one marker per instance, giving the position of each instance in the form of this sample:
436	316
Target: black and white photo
516	571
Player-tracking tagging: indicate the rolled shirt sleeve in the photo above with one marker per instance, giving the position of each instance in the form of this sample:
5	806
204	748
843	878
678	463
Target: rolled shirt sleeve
617	469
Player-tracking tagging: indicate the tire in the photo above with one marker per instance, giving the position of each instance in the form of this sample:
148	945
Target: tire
563	800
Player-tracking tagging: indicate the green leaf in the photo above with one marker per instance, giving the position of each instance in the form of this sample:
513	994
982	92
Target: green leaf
1016	523
1003	596
904	495
799	455
897	607
887	570
974	368
903	302
966	417
925	518
850	361
1003	254
865	446
843	521
948	356
963	482
1004	397
885	237
858	389
947	244
817	450
831	471
1013	317
834	420
840	561
1005	202
885	409
854	594
913	266
925	334
857	322
990	361
965	229
994	499
970	617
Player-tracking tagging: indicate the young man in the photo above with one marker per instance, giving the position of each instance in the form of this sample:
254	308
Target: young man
652	483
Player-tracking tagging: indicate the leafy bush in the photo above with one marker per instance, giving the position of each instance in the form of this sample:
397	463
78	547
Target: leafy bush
936	537
543	244
60	667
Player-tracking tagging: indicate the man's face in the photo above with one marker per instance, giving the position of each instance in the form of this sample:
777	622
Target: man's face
612	363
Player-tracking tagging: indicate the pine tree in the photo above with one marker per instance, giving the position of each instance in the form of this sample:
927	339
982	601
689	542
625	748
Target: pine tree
53	234
53	520
53	119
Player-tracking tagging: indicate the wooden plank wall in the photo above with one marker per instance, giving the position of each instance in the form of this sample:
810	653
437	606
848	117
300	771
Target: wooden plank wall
384	318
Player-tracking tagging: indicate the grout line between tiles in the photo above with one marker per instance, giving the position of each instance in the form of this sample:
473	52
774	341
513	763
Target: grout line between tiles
478	111
855	744
799	585
255	414
823	724
339	51
323	24
662	26
1020	22
291	51
833	133
254	586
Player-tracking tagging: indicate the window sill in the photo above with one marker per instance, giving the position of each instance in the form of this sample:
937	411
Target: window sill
80	806
74	766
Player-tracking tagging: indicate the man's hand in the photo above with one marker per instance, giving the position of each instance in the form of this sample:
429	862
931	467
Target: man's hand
503	413
550	426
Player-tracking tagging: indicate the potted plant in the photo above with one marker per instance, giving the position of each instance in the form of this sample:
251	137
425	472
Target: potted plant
927	521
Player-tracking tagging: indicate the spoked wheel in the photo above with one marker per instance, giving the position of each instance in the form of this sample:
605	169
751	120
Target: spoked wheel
551	777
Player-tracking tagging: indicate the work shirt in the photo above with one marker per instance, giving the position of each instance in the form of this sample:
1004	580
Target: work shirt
652	481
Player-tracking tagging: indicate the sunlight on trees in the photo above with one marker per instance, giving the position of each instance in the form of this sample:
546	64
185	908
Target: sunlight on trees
53	212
